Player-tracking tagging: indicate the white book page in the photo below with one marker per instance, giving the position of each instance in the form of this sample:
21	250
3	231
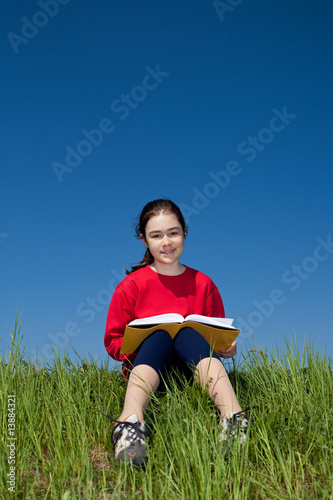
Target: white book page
157	320
211	321
178	318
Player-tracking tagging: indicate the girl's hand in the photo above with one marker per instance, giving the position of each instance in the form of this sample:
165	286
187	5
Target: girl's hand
230	352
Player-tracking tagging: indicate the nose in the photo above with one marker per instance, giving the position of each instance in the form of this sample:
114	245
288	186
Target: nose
165	240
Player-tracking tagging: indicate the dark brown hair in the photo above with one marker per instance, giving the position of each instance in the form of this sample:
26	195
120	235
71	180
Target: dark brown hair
152	209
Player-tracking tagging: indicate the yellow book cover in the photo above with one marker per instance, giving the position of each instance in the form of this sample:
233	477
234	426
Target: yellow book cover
218	332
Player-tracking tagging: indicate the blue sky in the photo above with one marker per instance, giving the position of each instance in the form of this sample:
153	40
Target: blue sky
224	107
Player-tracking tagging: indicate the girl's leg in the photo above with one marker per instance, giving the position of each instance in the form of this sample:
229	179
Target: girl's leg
209	372
142	382
154	355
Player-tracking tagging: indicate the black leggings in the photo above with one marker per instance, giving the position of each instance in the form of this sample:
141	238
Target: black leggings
184	352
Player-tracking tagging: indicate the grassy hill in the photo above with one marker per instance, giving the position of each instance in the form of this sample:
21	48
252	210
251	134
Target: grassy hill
60	442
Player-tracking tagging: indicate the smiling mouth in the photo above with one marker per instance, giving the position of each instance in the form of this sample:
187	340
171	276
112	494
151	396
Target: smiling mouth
167	253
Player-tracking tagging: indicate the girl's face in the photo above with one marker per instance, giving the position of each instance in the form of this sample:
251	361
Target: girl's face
164	236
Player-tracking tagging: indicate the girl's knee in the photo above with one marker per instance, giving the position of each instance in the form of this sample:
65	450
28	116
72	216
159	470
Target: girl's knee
145	376
162	336
210	367
156	351
192	347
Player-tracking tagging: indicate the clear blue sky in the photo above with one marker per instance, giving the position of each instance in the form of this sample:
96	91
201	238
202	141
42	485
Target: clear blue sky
226	108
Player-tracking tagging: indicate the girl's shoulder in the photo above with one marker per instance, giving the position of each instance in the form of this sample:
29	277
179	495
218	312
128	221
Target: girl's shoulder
134	278
199	275
196	272
128	286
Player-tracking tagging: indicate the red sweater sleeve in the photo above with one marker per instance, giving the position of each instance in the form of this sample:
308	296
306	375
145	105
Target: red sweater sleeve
215	308
121	312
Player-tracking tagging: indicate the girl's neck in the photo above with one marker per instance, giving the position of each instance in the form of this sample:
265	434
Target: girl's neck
175	270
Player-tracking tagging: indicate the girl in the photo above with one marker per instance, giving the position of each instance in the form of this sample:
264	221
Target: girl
161	284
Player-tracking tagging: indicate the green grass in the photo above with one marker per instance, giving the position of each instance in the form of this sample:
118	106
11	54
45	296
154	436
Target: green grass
63	448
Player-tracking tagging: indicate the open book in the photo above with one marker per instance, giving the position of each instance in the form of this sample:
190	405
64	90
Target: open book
219	332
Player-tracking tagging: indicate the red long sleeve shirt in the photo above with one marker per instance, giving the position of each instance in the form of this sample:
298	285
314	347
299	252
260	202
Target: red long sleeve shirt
145	293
